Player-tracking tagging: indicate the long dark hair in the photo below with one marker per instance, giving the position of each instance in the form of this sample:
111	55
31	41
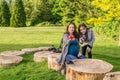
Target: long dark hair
74	33
80	34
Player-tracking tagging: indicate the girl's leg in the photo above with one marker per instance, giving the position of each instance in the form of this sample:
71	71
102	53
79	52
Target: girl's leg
84	50
89	52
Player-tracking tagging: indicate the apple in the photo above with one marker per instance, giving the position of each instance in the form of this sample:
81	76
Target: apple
71	37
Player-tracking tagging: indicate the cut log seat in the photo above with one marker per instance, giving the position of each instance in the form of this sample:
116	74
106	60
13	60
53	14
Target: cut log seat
112	76
6	61
52	64
87	69
41	56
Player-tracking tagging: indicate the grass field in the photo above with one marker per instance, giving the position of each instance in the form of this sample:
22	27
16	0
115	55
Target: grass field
19	38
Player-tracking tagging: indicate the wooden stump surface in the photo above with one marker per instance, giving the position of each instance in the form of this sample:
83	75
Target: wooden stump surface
112	76
12	53
6	61
43	48
41	56
87	69
29	50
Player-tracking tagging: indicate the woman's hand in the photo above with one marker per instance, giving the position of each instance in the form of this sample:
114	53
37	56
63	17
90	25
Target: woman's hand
79	54
71	37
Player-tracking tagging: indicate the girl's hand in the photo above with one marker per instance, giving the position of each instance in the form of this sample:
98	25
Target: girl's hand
88	49
79	54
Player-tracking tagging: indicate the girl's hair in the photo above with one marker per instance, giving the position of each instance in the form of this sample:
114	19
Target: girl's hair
74	33
80	34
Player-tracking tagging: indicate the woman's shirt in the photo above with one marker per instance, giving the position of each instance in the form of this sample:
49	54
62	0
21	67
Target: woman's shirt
73	48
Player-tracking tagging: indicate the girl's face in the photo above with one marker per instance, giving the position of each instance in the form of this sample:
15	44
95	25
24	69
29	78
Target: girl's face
71	28
83	30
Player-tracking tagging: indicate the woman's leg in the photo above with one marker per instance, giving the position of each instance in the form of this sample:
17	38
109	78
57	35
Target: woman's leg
84	50
70	58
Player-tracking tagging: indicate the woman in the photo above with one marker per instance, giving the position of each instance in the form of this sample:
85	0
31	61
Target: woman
70	49
86	39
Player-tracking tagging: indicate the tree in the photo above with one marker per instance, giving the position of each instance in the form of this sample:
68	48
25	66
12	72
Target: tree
42	12
4	14
77	11
109	20
29	7
18	18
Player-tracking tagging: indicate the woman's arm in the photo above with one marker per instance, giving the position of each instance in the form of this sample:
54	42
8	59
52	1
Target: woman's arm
66	39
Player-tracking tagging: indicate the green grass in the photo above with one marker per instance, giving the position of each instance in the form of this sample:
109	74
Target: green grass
19	38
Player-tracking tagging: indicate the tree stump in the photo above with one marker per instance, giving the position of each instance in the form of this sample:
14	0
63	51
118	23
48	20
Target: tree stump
41	56
52	63
112	76
13	53
43	48
29	50
6	61
87	69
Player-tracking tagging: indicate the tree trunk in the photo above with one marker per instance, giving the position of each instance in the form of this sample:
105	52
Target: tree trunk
87	69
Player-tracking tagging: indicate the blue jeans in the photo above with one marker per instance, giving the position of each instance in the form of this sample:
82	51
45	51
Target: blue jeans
72	57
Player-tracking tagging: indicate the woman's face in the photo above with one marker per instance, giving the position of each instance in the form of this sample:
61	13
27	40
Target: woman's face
83	30
71	28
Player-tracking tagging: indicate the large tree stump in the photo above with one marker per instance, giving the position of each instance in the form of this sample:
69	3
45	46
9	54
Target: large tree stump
13	53
52	63
6	61
112	76
43	48
87	69
29	50
41	56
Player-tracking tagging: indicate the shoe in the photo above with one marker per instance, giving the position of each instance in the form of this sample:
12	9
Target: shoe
69	62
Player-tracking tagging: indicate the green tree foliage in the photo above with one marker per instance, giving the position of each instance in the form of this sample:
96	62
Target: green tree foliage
18	17
108	22
77	11
4	14
29	7
42	12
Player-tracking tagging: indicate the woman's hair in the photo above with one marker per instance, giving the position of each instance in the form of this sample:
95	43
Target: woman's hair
74	33
80	34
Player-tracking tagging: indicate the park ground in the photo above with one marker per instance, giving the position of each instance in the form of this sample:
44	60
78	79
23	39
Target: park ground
32	37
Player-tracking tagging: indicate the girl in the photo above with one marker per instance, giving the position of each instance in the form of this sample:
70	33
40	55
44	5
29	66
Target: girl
86	39
70	48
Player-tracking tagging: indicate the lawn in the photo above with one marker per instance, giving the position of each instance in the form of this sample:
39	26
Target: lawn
19	38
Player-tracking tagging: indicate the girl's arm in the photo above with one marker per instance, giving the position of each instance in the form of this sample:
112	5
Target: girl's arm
91	37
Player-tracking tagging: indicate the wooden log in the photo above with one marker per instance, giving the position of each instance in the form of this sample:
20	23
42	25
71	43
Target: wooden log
29	50
112	76
13	53
43	48
87	69
52	63
6	61
41	56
